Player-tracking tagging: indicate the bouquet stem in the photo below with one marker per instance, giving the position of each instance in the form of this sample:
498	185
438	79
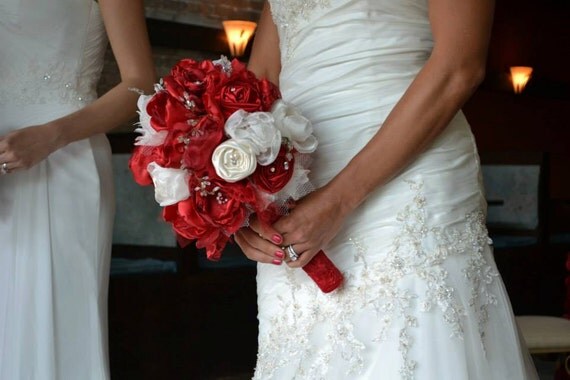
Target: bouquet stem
323	271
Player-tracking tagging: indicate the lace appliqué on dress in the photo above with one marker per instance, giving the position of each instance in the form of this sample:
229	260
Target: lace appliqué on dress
288	14
419	250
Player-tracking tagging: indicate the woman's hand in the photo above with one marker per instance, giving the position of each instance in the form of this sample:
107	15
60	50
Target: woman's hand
261	243
24	148
309	227
312	224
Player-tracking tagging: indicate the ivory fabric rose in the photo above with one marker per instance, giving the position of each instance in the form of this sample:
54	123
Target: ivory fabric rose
294	126
258	129
234	160
170	185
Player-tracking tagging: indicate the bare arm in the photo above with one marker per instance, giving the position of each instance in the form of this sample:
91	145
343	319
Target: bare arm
125	25
126	28
265	60
461	31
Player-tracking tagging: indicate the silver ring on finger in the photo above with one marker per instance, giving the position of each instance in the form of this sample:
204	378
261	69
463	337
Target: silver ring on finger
4	168
293	255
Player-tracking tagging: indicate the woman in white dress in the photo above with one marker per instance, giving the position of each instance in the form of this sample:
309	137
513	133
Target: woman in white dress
56	191
399	206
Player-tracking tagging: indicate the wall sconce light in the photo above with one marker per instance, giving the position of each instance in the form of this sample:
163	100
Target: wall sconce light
238	33
519	77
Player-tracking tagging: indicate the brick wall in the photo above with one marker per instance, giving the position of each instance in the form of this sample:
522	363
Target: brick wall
203	12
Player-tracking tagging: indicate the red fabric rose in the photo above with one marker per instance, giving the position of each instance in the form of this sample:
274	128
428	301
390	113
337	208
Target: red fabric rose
204	137
274	177
174	146
269	94
189	223
240	92
222	211
215	77
191	102
212	217
139	160
238	66
212	107
189	76
164	110
214	250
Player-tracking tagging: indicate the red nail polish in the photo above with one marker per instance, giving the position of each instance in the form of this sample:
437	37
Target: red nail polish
277	262
277	239
280	254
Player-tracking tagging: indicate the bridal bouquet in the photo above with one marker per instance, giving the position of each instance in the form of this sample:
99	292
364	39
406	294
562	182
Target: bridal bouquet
218	145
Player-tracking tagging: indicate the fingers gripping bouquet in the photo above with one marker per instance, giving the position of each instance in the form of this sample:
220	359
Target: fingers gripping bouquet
219	145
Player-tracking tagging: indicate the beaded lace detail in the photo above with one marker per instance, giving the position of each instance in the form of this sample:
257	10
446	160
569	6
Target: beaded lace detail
43	82
418	250
53	57
288	15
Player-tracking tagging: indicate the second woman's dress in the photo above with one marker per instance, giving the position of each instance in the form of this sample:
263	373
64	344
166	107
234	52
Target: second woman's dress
56	217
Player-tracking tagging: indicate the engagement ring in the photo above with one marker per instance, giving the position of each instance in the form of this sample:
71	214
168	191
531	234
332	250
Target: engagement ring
294	256
4	168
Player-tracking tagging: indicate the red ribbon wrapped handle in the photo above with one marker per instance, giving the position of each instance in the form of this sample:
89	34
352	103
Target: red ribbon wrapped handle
323	271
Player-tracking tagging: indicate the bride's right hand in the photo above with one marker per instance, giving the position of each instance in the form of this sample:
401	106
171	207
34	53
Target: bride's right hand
260	243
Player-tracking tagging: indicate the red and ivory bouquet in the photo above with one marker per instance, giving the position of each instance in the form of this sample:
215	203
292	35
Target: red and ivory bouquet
219	144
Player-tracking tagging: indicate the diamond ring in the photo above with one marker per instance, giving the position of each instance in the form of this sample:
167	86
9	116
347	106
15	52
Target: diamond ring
294	256
4	168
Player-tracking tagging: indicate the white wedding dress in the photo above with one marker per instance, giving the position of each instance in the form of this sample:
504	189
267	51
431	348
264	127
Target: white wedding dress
55	218
422	298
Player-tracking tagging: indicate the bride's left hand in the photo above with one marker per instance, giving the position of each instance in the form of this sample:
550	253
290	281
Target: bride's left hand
24	148
311	225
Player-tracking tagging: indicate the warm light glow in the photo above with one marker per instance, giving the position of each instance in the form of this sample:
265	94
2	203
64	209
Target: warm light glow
520	76
238	33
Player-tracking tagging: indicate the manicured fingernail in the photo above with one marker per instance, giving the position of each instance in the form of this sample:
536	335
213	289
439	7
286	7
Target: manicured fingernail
277	262
277	239
280	254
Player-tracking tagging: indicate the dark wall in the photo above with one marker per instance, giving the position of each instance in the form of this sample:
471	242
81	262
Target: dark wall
537	34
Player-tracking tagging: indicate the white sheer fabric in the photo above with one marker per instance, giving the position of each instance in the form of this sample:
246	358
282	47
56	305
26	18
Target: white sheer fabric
55	218
423	298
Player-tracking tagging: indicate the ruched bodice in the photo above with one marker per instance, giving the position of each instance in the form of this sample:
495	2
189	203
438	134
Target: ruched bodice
422	298
389	42
329	76
52	51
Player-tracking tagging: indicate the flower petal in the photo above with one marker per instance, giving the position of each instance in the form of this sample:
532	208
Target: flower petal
234	160
170	185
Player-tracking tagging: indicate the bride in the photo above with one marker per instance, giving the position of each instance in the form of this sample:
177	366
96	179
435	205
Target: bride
56	190
399	207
